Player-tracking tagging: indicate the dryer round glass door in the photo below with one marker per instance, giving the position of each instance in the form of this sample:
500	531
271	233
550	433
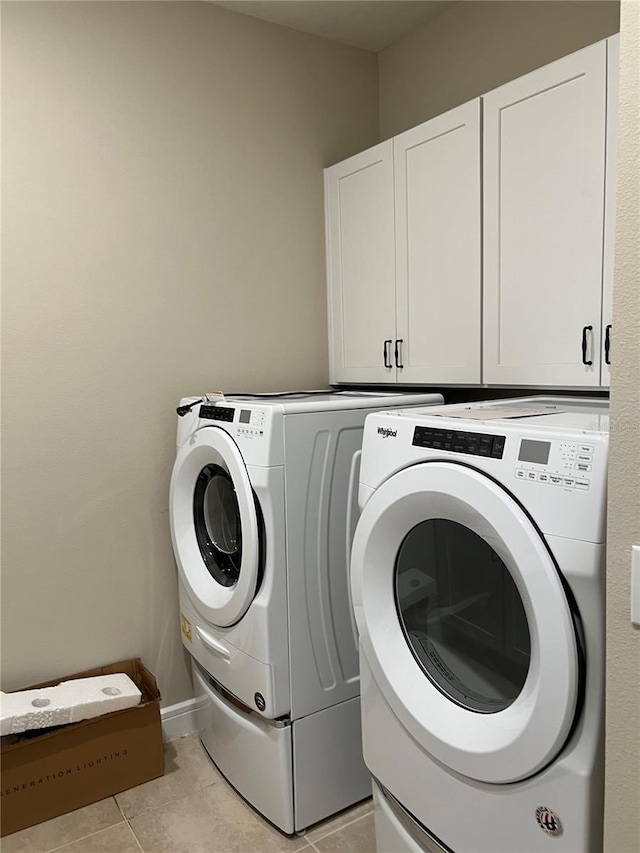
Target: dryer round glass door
215	526
462	615
464	621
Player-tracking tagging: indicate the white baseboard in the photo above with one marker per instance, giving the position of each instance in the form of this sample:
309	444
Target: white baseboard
179	720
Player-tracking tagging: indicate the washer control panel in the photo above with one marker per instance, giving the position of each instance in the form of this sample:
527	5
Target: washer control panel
555	463
217	413
250	423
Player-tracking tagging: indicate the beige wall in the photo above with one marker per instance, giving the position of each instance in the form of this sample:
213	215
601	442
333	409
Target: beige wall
475	46
163	235
622	799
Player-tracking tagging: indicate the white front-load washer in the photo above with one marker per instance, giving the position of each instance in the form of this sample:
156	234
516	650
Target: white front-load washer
263	506
478	586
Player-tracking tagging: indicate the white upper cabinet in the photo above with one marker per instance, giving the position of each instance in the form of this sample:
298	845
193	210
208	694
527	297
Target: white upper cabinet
613	70
403	256
361	266
544	162
438	249
478	247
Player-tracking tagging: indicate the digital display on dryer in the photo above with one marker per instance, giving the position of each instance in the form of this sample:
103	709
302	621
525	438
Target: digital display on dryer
534	451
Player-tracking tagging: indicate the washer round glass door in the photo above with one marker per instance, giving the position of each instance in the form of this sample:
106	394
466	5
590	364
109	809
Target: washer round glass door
214	525
216	517
464	621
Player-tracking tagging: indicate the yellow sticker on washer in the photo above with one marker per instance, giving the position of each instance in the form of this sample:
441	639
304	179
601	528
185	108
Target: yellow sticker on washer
186	629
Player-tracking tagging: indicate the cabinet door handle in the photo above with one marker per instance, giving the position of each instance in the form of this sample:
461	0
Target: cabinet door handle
398	353
607	345
585	329
385	353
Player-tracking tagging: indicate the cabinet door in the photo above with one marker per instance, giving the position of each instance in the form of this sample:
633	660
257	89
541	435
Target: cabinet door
613	70
544	156
438	245
361	266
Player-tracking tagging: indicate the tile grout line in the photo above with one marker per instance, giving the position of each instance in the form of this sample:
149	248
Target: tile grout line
342	826
84	837
163	805
115	799
126	820
138	842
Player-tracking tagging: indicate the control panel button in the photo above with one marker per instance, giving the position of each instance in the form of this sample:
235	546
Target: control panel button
582	484
532	475
586	448
497	448
248	432
555	480
544	478
521	473
584	457
569	482
582	466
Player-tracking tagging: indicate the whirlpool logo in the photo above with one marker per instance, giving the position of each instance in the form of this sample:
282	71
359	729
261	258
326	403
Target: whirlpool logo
549	822
385	432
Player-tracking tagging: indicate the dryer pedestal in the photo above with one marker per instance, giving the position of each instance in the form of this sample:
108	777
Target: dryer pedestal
295	773
396	830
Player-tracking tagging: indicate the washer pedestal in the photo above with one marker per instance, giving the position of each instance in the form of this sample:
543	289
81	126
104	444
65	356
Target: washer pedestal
294	773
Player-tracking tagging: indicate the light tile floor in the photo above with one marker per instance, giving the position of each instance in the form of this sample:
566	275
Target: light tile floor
191	809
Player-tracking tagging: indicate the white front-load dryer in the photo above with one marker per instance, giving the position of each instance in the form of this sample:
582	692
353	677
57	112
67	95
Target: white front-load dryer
478	589
263	504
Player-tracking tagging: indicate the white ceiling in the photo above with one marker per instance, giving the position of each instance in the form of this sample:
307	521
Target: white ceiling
369	24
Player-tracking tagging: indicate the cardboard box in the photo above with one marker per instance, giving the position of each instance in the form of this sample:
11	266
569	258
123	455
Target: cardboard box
50	772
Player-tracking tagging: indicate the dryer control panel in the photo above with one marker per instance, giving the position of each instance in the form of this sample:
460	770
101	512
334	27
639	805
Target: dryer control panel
555	463
458	441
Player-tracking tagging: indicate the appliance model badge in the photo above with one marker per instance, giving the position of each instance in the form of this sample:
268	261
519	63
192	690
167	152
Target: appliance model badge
186	628
259	700
385	432
549	822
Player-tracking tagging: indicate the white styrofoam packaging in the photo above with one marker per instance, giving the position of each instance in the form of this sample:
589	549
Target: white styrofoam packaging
68	702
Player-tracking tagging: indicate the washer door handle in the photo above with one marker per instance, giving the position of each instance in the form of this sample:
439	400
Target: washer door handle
214	645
